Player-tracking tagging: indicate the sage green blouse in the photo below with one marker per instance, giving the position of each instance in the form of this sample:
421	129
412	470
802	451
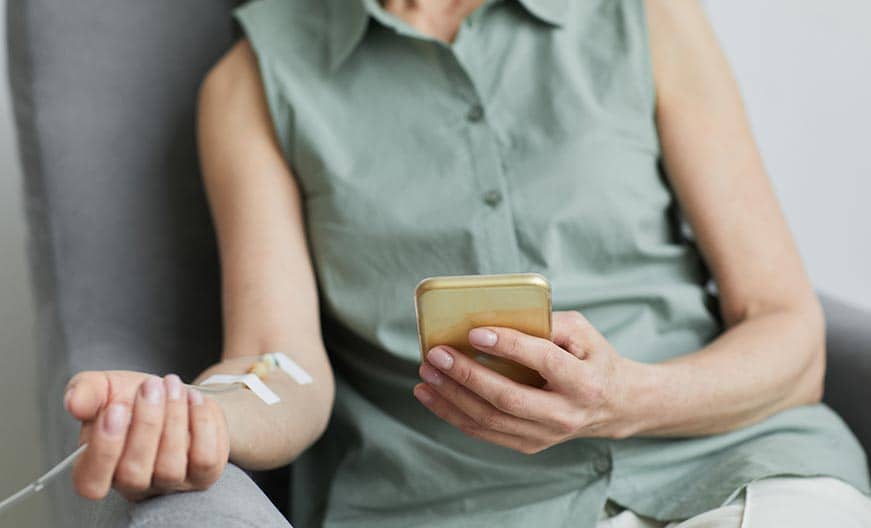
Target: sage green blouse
529	144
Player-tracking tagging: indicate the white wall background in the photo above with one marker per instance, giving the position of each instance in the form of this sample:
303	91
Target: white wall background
805	70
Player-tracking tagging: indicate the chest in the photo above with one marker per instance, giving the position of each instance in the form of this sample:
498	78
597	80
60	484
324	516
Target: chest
509	108
518	148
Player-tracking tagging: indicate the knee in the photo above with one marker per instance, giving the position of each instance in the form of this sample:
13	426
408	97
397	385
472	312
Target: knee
234	500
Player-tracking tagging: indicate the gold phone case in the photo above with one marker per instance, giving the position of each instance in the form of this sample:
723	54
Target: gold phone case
448	307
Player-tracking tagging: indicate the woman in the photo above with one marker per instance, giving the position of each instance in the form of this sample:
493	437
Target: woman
350	149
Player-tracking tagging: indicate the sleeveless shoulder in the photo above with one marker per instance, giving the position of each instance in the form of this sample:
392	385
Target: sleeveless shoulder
615	34
279	26
303	38
636	20
287	37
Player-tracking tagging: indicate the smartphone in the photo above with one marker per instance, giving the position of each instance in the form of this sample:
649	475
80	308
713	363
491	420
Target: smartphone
447	307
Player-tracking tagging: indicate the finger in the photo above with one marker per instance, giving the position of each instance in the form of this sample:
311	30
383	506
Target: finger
479	410
205	455
93	470
454	416
503	393
170	466
133	475
554	364
572	332
86	394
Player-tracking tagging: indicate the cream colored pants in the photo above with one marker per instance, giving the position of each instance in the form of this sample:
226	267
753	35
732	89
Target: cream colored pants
819	502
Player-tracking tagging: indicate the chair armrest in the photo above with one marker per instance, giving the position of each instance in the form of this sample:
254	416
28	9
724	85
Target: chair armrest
848	371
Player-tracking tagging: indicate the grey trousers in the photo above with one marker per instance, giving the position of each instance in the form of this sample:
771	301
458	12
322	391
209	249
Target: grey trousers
234	501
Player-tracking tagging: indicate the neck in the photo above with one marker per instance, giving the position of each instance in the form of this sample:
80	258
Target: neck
438	18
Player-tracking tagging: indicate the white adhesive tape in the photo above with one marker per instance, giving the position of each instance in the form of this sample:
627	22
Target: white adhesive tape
292	369
249	380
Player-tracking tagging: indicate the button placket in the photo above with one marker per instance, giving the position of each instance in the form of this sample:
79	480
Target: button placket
496	244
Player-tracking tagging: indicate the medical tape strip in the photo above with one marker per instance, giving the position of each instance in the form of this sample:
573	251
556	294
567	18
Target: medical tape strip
292	369
249	380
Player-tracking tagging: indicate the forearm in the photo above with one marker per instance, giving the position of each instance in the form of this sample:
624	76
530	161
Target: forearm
762	365
268	436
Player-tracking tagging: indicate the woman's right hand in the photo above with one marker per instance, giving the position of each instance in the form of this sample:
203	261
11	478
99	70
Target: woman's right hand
146	435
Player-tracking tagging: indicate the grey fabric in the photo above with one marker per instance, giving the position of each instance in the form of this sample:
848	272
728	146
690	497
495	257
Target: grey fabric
234	501
848	372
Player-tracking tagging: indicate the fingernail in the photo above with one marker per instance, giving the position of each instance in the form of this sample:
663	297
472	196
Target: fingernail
482	337
173	387
431	375
195	397
68	397
423	395
440	358
152	390
115	420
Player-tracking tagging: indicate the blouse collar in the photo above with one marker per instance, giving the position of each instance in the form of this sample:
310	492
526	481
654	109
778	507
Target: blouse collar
348	21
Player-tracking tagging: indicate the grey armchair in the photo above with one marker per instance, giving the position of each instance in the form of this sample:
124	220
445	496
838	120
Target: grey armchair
121	243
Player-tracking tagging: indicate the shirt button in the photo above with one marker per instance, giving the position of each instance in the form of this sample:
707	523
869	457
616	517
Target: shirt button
475	113
492	197
602	464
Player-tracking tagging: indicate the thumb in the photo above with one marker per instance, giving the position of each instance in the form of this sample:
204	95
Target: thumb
85	395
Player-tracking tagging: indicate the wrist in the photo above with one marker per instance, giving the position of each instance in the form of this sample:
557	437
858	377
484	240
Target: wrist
640	402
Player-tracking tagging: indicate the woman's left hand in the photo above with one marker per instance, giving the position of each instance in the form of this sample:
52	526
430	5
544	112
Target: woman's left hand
586	394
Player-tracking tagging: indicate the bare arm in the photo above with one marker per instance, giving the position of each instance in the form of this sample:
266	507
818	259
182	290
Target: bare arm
269	291
148	436
772	354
